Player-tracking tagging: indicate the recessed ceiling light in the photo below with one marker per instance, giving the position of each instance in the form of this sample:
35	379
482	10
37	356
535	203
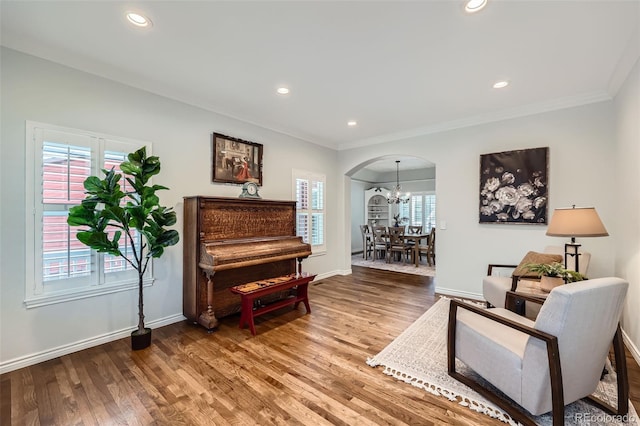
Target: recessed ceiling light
138	20
352	123
474	5
500	84
283	90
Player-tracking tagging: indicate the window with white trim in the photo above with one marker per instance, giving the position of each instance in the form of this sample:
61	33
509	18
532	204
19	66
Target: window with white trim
309	193
59	267
422	207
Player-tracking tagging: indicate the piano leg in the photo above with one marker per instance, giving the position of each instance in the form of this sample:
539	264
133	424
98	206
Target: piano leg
208	319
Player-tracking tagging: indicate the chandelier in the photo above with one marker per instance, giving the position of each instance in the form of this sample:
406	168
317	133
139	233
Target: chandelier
396	197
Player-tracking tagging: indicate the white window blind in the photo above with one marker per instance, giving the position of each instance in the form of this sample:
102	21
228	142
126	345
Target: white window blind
416	210
423	210
59	267
429	211
309	192
404	212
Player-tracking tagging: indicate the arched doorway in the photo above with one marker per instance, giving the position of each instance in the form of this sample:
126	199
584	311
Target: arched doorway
372	181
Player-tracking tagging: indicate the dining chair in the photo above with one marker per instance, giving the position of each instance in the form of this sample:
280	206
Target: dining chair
397	243
367	241
415	229
380	242
429	250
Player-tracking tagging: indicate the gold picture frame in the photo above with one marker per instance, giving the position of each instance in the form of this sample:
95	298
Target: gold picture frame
235	160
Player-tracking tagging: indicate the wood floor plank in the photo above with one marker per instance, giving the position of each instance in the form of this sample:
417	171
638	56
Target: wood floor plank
300	369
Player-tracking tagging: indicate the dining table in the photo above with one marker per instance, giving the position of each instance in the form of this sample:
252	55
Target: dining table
416	237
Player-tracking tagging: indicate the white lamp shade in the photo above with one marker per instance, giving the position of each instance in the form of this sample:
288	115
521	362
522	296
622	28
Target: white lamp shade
576	222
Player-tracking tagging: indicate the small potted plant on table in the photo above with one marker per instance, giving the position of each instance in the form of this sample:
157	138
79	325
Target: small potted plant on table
553	274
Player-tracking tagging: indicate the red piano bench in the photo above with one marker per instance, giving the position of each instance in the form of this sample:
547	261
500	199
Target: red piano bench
249	292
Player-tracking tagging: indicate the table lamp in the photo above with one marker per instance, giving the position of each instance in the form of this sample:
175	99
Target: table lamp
575	222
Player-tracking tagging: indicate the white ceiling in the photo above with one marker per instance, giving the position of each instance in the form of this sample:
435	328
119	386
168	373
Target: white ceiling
398	68
387	165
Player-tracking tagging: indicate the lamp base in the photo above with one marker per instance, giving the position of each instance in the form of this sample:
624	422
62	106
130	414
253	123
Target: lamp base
574	247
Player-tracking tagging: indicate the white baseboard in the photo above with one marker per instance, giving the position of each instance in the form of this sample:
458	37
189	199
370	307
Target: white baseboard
332	273
458	293
35	358
633	349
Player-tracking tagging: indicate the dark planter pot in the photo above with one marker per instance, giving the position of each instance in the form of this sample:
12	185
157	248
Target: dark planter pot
140	340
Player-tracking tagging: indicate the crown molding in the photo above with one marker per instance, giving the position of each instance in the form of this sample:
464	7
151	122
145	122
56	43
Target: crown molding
531	109
626	63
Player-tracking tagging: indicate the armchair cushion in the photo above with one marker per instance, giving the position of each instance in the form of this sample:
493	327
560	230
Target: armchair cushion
477	336
535	257
494	289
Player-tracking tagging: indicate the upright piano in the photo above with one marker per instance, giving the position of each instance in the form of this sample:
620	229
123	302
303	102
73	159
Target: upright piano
232	241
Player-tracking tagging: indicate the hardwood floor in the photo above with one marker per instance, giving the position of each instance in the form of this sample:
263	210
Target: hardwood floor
299	369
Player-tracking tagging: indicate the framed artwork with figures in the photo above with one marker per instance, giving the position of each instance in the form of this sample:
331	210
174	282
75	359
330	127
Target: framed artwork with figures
236	160
514	186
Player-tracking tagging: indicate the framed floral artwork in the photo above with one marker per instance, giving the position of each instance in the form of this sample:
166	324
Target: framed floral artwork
236	161
514	186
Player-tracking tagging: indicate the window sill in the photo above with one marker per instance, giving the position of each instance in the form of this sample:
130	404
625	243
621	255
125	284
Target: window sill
67	296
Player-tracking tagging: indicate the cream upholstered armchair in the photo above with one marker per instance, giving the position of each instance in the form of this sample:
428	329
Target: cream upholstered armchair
495	286
548	363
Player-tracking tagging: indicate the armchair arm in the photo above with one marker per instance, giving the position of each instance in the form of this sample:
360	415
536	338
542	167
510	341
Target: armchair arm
497	265
553	356
454	304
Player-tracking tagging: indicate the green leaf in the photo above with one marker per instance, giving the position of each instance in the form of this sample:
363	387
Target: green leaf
80	216
92	184
150	201
156	251
115	213
90	202
130	168
100	242
137	216
168	238
164	216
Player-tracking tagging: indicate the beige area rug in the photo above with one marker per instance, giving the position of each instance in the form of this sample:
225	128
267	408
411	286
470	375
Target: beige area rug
418	356
407	268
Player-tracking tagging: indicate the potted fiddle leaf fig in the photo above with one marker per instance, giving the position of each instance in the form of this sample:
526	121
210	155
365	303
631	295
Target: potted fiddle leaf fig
134	213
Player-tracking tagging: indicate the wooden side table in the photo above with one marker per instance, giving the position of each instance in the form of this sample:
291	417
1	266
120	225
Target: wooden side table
515	300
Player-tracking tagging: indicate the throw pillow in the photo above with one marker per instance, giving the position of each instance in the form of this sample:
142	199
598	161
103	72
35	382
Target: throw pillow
534	257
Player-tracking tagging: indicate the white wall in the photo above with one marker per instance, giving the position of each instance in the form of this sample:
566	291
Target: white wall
627	222
38	90
581	172
357	213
